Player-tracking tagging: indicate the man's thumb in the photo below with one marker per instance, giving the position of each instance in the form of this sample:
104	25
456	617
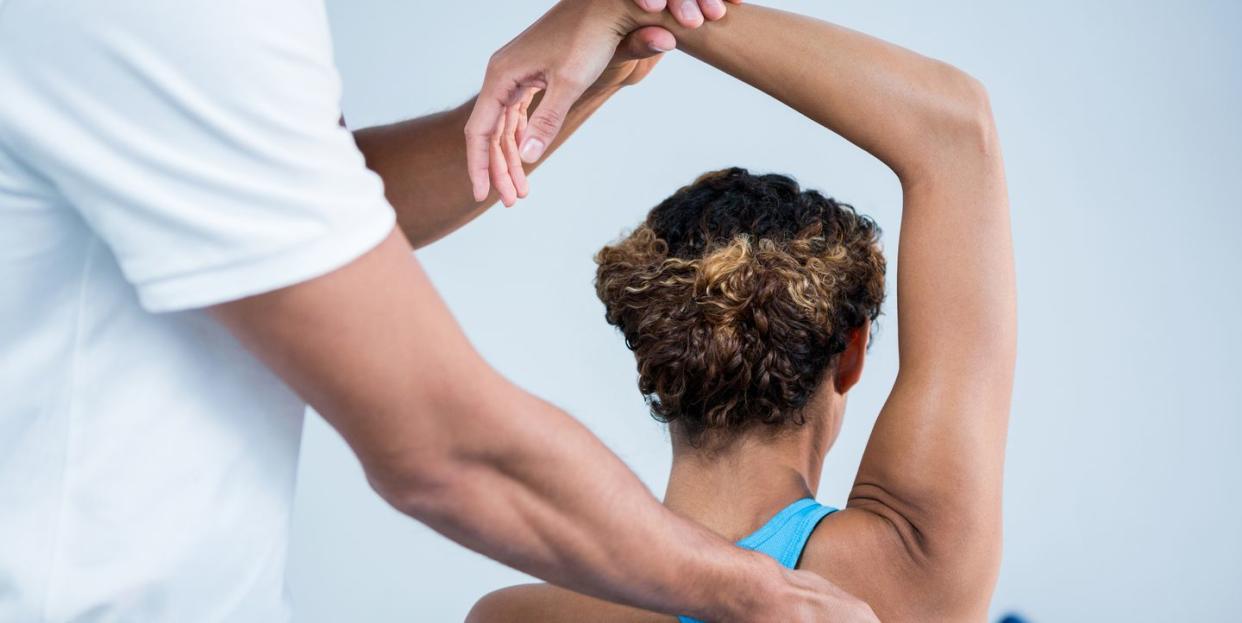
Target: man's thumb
546	123
645	43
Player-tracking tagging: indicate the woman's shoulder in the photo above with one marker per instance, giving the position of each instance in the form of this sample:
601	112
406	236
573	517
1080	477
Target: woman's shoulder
543	603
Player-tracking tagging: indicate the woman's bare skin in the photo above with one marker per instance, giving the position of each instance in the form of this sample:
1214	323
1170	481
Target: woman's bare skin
920	538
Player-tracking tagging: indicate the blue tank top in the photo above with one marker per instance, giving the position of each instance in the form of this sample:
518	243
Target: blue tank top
785	535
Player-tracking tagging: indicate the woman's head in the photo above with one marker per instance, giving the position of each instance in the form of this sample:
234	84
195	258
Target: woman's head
738	295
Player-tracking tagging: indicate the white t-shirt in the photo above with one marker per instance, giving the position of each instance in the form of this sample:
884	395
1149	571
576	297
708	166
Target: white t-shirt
157	158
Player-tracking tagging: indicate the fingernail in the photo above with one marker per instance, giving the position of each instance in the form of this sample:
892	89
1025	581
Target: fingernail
658	49
532	150
688	10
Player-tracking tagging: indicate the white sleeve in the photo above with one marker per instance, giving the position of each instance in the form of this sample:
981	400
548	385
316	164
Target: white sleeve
200	141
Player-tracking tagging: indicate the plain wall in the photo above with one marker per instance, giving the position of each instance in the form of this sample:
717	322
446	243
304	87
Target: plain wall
1122	129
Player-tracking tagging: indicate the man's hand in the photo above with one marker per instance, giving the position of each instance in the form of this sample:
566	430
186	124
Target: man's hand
689	13
422	161
633	60
814	600
563	55
762	591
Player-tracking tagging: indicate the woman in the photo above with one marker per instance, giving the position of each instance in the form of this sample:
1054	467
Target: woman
748	304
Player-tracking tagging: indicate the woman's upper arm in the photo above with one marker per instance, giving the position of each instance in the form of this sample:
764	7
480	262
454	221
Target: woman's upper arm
921	535
933	467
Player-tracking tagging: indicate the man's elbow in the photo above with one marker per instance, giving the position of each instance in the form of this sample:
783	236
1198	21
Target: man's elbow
418	487
422	476
455	443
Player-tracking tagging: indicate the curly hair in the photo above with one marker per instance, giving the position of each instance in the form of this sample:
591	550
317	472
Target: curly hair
736	295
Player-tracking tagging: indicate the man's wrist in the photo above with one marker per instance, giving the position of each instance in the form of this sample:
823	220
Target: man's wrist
596	95
749	590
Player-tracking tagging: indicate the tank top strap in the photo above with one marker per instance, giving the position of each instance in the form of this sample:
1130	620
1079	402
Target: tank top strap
800	533
785	536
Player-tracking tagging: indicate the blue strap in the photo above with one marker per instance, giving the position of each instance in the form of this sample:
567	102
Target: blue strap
785	535
807	524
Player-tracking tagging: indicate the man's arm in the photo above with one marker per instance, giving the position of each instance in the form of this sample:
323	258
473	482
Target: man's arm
445	439
423	161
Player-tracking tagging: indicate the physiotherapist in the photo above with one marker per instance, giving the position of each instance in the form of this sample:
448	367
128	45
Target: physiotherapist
193	248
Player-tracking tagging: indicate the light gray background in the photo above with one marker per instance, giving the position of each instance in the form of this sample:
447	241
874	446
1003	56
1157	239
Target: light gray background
1121	126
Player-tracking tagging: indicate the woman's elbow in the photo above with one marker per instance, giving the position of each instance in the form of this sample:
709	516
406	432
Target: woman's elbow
963	111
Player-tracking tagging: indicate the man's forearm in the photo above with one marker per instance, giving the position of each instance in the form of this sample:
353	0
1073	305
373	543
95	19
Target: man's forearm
527	485
444	438
423	164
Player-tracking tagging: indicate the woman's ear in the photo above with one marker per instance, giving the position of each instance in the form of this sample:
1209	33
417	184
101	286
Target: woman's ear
850	364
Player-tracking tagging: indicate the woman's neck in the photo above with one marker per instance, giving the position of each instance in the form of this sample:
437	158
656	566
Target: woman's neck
735	490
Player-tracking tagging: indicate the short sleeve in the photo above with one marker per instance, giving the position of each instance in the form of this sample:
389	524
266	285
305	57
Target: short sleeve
200	140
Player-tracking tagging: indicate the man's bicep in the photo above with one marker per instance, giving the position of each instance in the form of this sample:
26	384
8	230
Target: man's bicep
370	346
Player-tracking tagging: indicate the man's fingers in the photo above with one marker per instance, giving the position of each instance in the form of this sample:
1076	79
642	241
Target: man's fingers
480	133
519	134
645	43
652	6
527	100
712	9
546	123
517	172
687	13
499	169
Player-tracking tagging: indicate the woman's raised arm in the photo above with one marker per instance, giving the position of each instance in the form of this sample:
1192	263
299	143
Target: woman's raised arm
932	472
